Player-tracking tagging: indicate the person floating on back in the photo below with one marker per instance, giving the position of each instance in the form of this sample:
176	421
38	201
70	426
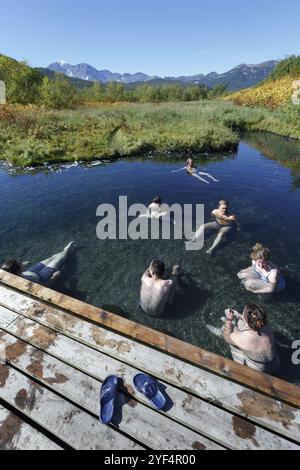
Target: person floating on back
191	169
262	277
156	292
45	272
224	223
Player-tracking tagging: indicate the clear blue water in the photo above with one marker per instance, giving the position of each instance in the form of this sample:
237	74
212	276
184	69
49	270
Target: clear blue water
41	211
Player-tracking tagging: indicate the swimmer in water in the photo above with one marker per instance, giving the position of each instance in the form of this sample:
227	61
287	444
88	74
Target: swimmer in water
46	272
262	277
191	169
156	292
224	223
250	337
156	210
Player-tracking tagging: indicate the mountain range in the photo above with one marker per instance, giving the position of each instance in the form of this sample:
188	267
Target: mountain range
242	76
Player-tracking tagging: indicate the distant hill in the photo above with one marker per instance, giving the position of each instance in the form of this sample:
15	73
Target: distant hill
276	90
77	82
242	76
87	72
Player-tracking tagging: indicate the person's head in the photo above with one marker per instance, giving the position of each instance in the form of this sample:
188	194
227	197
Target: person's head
223	206
190	162
157	200
157	268
255	317
12	266
260	254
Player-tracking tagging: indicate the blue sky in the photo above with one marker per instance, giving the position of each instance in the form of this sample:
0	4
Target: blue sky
158	37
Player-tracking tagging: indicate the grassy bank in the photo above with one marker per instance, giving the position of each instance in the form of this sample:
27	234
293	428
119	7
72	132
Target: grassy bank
32	135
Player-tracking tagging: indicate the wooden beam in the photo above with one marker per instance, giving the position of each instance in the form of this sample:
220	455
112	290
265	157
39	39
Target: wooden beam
267	384
144	424
187	409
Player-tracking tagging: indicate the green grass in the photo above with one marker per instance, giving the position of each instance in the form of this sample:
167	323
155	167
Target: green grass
32	136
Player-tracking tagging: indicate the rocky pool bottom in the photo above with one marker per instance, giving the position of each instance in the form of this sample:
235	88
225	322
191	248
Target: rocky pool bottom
42	210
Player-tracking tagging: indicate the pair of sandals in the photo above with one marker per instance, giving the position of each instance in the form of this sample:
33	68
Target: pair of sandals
143	383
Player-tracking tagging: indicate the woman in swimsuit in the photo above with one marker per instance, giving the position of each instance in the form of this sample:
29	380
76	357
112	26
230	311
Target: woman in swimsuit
252	341
191	169
45	272
262	277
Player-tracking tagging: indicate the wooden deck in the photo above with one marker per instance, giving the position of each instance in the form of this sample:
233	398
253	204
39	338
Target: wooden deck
56	351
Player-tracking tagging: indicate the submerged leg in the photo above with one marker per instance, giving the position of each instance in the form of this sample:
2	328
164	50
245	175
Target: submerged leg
57	260
215	331
199	178
209	176
221	235
258	285
202	229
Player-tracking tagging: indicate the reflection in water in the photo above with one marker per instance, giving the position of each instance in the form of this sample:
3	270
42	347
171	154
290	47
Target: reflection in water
283	150
41	211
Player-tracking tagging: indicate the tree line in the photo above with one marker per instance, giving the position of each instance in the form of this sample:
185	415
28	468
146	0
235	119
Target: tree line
26	85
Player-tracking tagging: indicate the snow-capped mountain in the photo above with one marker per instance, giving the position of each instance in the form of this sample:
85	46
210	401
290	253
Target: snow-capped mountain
87	72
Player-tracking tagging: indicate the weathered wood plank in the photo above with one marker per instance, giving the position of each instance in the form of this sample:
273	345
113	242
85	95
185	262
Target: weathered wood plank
6	317
64	420
187	410
206	385
272	386
136	420
15	434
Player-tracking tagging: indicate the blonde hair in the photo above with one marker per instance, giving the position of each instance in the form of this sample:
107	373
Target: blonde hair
260	252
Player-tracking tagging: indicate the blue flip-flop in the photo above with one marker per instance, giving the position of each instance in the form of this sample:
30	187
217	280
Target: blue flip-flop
149	387
108	396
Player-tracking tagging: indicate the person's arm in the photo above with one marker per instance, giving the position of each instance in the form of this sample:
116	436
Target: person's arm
227	332
146	274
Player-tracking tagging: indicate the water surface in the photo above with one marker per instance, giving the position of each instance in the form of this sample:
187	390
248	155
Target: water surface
41	211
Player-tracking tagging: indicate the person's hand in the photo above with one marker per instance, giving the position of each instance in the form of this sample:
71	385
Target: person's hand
175	270
229	314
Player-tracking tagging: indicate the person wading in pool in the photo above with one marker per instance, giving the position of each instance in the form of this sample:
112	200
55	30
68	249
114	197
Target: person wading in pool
252	340
45	272
224	223
156	292
263	277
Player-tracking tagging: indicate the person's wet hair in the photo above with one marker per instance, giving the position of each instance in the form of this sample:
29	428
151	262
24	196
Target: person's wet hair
260	252
12	266
157	200
255	317
158	268
190	161
224	203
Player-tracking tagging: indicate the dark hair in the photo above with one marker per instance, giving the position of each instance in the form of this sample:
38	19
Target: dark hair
260	252
255	317
158	268
157	200
12	266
